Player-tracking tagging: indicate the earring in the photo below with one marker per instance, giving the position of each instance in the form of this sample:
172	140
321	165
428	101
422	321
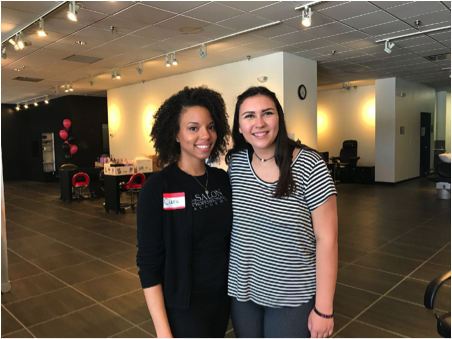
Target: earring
177	140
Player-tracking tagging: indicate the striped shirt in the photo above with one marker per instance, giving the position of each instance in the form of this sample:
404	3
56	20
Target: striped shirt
273	253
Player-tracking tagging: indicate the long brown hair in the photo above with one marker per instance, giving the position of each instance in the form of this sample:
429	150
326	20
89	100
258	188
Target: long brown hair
283	156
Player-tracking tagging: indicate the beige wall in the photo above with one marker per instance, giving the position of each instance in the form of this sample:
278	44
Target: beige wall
448	148
347	115
130	108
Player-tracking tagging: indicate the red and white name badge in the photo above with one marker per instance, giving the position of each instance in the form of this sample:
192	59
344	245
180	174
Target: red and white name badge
173	201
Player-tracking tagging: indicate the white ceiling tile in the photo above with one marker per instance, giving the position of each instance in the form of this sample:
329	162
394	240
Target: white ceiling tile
156	33
247	5
389	28
35	7
107	7
314	44
181	22
9	29
135	41
294	38
84	16
307	54
99	34
16	17
328	50
264	45
414	41
71	48
415	8
175	6
279	11
431	18
218	46
328	30
123	26
349	10
62	26
115	49
186	40
359	44
71	41
146	14
213	12
388	4
271	32
34	62
215	31
441	36
434	52
243	39
244	21
348	37
371	19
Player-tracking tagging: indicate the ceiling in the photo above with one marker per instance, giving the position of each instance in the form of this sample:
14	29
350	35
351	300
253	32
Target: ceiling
148	29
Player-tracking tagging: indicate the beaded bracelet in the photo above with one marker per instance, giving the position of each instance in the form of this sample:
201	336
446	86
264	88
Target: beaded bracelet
323	315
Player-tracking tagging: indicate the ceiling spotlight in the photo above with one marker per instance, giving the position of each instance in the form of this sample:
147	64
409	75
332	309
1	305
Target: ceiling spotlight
4	53
56	90
70	87
388	46
17	107
174	59
139	68
91	82
66	89
36	103
167	61
72	12
306	15
46	100
346	86
202	51
113	75
118	73
26	105
41	31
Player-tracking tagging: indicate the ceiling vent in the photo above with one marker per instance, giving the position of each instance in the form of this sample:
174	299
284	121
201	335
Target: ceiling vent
82	58
438	57
28	79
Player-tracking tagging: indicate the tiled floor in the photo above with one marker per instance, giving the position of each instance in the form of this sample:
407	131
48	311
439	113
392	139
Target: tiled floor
72	265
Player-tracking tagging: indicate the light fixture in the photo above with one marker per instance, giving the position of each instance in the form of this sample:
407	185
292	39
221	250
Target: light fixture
4	53
36	103
202	51
80	42
17	107
72	12
91	82
17	70
167	61
306	15
41	31
20	41
113	76
118	73
388	46
70	87
26	105
262	79
46	100
346	85
56	90
139	68
174	59
66	89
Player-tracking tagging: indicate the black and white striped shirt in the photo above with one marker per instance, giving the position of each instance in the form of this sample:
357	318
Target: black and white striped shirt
273	253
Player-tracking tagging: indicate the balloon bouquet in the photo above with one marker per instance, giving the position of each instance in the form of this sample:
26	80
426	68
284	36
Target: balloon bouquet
66	134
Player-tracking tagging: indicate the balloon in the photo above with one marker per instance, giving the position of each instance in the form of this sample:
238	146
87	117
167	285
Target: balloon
71	139
69	130
73	149
66	147
67	123
63	134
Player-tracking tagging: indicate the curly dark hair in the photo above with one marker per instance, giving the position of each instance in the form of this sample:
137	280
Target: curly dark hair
167	122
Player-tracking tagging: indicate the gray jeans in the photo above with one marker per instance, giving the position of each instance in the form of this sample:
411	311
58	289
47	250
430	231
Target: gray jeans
254	321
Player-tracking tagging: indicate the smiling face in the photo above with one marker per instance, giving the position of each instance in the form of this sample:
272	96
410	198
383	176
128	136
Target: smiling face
197	134
259	122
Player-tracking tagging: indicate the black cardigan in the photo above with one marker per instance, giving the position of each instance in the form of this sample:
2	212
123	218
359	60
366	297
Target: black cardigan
164	236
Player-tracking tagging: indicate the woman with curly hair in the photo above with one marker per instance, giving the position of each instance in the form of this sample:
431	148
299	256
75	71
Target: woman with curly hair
184	219
283	262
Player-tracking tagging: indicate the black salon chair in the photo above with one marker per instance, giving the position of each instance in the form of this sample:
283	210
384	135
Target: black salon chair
443	321
346	162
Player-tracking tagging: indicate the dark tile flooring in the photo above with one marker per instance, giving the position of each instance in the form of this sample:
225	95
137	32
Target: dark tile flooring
73	274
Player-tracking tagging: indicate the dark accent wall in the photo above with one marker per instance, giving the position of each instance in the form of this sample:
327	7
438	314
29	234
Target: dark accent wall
21	129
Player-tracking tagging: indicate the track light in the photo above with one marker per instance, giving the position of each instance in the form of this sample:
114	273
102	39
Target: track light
70	87
66	89
174	59
17	107
36	103
306	15
73	9
388	46
91	82
118	73
139	68
113	75
346	85
46	100
167	61
4	53
26	105
41	31
202	51
20	41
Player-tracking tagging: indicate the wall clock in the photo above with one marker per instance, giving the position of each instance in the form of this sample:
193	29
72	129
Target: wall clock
302	92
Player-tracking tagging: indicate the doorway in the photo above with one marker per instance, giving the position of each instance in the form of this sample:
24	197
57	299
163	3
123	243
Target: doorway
425	144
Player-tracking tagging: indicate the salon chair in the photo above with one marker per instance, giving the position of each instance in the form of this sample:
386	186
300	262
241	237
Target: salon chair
346	162
79	182
134	185
442	176
443	321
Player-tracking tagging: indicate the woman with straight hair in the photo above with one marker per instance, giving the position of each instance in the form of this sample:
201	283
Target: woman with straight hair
184	219
283	260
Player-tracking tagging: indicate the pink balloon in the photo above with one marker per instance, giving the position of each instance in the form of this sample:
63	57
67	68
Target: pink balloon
67	142
73	149
63	134
67	123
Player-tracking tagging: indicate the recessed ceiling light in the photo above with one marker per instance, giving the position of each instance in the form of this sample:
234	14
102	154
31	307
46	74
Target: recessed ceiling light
79	42
17	69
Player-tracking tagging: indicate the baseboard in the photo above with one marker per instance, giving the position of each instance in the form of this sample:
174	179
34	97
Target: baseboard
396	183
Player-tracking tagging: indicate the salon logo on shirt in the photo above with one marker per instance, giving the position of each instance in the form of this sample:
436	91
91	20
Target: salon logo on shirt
203	201
173	201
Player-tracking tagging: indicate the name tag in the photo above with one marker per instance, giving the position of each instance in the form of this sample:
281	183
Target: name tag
173	201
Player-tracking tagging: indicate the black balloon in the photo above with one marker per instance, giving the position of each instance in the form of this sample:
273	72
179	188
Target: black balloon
68	155
69	130
71	139
66	147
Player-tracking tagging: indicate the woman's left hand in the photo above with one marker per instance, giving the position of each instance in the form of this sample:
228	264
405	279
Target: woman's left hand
320	327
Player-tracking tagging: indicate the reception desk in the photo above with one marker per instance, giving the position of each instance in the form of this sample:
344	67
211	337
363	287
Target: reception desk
66	181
